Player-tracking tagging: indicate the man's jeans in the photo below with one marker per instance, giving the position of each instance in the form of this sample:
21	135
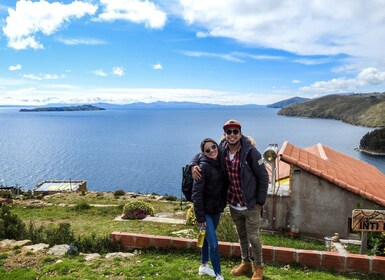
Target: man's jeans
247	224
210	245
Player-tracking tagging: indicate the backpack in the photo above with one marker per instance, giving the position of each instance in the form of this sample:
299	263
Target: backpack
187	182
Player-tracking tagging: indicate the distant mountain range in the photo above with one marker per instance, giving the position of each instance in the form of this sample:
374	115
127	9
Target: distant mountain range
287	102
358	109
63	108
137	105
167	105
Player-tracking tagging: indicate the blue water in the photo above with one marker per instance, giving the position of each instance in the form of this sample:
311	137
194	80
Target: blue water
143	150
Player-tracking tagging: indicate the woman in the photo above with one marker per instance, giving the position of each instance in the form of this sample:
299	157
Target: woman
209	197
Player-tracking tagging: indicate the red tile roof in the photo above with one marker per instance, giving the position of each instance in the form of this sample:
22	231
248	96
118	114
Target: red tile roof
346	172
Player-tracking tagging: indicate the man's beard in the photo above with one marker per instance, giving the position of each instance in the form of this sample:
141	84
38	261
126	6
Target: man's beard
233	144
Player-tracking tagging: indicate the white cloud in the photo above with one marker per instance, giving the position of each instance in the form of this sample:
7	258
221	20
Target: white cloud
15	67
368	76
228	57
41	77
118	71
30	18
308	61
157	66
296	81
233	56
100	73
303	27
80	41
134	11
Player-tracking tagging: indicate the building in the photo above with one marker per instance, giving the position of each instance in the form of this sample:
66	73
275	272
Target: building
50	187
318	188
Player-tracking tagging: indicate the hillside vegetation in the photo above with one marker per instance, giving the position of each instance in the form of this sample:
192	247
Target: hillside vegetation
374	141
357	109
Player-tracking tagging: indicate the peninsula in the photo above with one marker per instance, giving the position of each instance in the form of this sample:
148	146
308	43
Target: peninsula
64	108
356	109
367	109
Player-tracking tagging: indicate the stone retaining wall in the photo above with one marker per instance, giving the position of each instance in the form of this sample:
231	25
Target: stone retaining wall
317	259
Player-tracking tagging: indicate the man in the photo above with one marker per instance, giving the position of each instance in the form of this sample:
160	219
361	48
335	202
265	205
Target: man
248	182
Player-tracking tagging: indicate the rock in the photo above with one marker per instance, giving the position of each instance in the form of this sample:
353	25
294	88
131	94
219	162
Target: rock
183	232
119	255
7	242
58	250
36	247
22	243
91	257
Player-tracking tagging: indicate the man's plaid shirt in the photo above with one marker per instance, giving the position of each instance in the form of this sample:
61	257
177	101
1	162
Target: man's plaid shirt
233	168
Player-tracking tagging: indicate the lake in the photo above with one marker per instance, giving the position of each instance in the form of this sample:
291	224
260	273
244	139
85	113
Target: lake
143	150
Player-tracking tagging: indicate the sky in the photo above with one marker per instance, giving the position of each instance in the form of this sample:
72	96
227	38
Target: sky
228	52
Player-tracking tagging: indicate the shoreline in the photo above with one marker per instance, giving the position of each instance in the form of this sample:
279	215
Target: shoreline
369	152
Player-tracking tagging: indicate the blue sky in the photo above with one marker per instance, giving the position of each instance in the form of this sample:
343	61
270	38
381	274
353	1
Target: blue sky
223	52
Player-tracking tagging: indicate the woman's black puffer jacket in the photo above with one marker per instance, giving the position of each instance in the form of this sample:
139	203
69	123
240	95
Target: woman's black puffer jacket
209	194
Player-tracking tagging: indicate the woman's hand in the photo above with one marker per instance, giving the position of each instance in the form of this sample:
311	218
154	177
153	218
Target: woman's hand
196	172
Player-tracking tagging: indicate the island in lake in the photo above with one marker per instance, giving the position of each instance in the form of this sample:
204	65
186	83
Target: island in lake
64	108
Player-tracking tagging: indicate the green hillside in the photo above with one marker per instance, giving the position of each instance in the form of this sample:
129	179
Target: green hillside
357	109
374	142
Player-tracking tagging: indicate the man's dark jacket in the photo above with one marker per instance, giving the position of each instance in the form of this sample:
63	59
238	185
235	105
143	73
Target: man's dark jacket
254	176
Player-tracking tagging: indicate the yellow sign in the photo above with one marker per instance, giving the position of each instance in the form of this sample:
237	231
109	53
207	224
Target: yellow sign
368	220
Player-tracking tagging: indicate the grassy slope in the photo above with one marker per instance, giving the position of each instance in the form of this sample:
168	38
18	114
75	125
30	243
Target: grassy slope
358	109
146	265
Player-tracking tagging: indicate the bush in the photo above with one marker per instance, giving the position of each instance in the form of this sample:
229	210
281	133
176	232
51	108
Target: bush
72	250
170	197
96	244
376	243
6	194
62	234
190	216
36	235
82	205
12	226
119	193
137	210
226	229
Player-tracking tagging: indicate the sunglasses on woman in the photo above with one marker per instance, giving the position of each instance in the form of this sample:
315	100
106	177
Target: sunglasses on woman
212	148
233	131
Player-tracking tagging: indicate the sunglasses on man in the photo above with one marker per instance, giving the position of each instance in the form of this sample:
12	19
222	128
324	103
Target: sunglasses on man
233	131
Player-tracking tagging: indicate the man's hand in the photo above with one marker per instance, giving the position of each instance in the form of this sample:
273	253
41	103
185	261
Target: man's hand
196	172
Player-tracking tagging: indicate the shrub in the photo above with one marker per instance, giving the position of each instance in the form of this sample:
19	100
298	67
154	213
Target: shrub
82	205
137	210
170	197
12	226
119	193
226	229
96	244
376	243
72	250
190	216
6	194
36	235
62	234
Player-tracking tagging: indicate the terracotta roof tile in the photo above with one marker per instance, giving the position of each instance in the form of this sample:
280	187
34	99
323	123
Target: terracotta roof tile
346	172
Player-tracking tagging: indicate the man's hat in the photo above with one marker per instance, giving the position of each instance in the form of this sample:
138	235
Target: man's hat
231	123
